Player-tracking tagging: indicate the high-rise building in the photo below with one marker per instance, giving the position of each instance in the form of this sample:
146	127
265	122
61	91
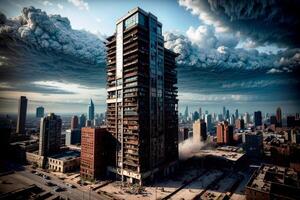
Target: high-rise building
199	131
227	115
50	135
91	111
224	112
208	121
88	123
95	152
200	113
273	120
257	118
224	133
279	117
290	121
236	114
246	118
186	113
82	120
195	116
297	116
22	115
40	112
74	122
232	120
239	124
142	98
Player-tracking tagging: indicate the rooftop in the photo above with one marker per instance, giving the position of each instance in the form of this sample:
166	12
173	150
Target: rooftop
66	155
276	180
220	153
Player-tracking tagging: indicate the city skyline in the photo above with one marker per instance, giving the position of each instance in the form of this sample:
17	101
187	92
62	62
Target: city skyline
221	62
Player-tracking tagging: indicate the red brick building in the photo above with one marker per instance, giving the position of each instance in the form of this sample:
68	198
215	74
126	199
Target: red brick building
95	152
224	133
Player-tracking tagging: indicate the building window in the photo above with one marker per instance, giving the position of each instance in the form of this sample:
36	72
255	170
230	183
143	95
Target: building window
131	21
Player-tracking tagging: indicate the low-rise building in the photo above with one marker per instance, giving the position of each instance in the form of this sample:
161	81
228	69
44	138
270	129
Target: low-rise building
273	182
64	162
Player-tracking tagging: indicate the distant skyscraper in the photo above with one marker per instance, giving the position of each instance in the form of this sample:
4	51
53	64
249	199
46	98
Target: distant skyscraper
82	121
290	121
22	115
220	117
246	118
279	117
186	113
224	112
224	133
40	112
239	124
200	113
199	131
195	116
236	114
257	118
227	115
50	135
232	120
74	122
88	123
208	121
91	111
273	120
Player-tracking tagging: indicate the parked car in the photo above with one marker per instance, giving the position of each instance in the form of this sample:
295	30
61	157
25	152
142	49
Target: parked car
46	177
70	185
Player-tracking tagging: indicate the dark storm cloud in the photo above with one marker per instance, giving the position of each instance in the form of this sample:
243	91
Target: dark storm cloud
53	33
40	47
265	21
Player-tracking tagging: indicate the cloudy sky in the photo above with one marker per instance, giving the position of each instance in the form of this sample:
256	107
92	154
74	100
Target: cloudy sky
243	55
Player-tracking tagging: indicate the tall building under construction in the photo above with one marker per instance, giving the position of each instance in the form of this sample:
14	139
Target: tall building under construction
142	99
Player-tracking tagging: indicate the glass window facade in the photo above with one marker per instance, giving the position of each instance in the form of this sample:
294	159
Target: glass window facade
137	18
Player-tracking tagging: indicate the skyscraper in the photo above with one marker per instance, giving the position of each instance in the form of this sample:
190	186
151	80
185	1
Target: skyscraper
22	115
186	113
257	118
279	117
236	114
239	124
142	98
200	113
50	135
273	120
208	121
195	116
224	112
199	131
246	118
227	115
82	120
40	112
74	122
224	133
91	111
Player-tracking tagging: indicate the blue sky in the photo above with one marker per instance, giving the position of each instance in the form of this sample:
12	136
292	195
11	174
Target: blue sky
240	56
